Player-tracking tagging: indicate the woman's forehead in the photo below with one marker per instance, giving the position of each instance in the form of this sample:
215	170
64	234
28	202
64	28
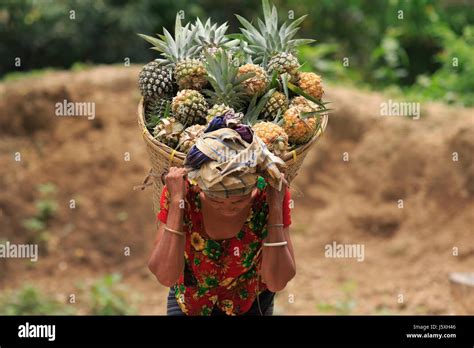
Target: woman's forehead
233	198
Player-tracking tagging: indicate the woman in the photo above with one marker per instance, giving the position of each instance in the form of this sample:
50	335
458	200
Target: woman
223	244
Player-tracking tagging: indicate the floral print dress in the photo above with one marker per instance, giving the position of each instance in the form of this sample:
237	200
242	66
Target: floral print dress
222	273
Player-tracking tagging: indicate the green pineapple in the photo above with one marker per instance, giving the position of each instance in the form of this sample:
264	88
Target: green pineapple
276	105
156	110
217	110
181	54
155	81
272	45
189	107
284	63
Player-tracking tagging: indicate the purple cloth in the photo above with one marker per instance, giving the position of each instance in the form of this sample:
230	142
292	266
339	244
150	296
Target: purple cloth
230	119
195	158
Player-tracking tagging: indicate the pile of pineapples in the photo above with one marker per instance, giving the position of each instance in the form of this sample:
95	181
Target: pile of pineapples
203	73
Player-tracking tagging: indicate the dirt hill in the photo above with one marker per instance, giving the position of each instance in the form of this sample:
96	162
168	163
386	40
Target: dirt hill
387	183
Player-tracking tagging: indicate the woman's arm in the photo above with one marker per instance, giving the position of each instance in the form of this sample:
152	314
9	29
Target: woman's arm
278	262
167	258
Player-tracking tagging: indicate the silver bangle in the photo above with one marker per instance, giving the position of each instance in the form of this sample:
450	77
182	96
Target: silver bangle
179	233
276	244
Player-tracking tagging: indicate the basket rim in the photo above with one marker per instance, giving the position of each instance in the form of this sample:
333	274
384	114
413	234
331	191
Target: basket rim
169	152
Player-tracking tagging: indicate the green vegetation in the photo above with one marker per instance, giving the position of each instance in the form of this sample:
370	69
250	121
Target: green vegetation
30	301
421	49
345	305
109	297
46	207
106	296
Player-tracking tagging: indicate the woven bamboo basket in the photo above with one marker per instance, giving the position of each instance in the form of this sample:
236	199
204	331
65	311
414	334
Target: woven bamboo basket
163	157
462	291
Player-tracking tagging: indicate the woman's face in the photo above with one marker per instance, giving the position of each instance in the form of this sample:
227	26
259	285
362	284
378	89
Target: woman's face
231	206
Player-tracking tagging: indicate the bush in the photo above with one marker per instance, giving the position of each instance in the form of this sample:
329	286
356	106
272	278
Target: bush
30	301
109	297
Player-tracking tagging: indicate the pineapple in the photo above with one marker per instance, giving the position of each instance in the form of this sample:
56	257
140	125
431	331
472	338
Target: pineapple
311	84
302	101
190	74
217	110
189	107
300	129
168	131
226	82
155	110
272	45
155	81
284	63
273	136
257	84
188	138
276	104
180	54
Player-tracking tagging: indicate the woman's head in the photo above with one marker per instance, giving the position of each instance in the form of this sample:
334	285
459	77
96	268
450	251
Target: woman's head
227	160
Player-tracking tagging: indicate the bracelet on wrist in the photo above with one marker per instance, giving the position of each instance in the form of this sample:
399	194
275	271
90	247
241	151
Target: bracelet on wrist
179	233
275	244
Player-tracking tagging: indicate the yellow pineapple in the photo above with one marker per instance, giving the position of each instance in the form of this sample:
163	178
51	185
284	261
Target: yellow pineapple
257	84
312	84
302	101
300	129
273	136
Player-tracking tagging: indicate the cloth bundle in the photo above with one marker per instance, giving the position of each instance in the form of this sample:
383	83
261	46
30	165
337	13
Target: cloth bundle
228	158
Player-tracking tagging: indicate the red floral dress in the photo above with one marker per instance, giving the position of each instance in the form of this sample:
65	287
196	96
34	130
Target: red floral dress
222	273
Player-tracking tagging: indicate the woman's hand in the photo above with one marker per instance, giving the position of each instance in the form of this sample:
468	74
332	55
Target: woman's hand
175	181
275	197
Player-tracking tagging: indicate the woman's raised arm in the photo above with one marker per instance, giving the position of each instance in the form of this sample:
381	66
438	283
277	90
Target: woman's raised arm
167	258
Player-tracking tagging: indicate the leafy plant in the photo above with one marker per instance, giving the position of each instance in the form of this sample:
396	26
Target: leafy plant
30	301
109	297
46	208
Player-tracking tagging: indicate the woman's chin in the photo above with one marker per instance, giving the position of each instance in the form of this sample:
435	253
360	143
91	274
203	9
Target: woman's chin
228	213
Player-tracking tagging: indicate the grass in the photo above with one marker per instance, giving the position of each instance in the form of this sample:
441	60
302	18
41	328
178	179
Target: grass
109	297
30	301
342	306
106	296
46	207
20	75
35	73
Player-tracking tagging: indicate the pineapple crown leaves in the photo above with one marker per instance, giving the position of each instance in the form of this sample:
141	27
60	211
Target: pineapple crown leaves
299	91
254	109
241	50
224	77
210	35
268	40
174	49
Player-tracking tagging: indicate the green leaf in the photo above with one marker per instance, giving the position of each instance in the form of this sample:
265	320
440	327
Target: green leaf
299	91
284	81
274	81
